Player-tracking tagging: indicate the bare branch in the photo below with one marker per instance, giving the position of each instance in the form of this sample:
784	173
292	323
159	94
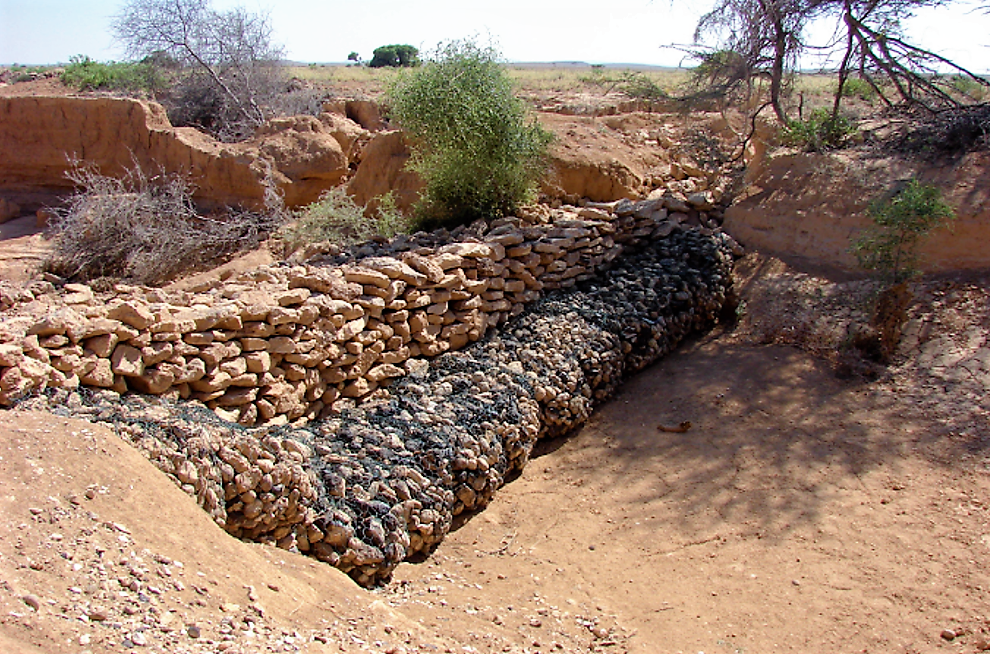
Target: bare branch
232	49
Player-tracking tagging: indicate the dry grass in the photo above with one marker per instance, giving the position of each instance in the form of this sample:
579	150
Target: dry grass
548	78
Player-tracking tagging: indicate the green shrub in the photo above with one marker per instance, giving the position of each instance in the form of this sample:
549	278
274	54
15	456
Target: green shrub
26	73
478	153
87	75
719	65
337	219
633	83
639	85
890	246
395	56
819	133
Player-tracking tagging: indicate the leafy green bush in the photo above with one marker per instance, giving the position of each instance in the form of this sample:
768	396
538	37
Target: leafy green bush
395	56
890	246
87	75
337	219
819	133
478	153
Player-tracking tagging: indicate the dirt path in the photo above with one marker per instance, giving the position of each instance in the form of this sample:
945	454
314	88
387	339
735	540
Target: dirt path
798	513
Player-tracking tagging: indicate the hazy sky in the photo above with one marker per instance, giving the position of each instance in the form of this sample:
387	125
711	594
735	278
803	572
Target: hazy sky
601	31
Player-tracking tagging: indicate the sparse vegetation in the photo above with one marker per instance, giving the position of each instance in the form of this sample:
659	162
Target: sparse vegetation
968	88
857	87
26	73
900	222
145	229
820	132
633	83
337	219
477	151
86	74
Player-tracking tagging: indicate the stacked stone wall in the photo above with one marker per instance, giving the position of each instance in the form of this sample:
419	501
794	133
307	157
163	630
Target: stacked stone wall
382	481
283	343
389	402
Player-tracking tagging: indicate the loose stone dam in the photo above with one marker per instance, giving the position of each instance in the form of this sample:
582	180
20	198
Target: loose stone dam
380	481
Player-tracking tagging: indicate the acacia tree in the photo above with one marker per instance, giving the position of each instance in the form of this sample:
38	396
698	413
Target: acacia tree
766	38
876	50
757	37
228	54
396	56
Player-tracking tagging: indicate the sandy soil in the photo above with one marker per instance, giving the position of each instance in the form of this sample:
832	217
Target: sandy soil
99	551
23	248
798	513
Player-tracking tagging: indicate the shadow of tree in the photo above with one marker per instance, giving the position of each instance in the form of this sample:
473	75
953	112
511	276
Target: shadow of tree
774	435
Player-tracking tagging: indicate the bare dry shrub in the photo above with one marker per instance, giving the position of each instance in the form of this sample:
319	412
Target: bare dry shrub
145	229
948	133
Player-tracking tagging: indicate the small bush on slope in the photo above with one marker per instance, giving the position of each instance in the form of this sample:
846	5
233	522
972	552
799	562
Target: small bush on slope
337	219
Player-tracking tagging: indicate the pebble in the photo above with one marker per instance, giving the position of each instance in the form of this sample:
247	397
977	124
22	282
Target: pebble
949	634
193	631
32	601
97	615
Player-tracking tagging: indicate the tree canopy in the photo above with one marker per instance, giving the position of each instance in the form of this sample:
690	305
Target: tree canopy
394	55
232	49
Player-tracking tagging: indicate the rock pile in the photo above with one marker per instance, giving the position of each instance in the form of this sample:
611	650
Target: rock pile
284	343
381	481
